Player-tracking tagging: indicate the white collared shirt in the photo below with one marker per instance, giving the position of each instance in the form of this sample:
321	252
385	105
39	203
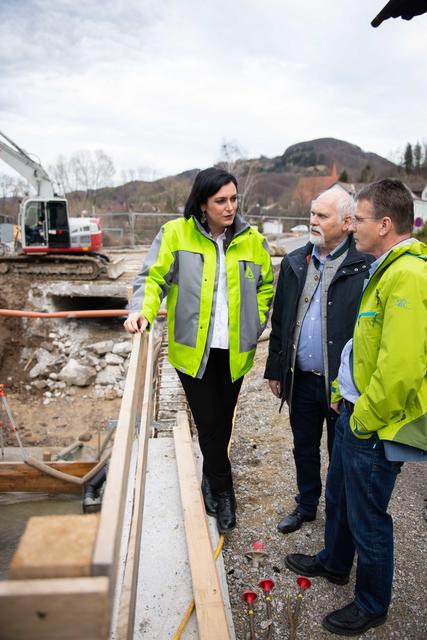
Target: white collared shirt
220	336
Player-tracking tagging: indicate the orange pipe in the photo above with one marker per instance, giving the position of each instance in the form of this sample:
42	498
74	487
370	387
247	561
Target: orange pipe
98	313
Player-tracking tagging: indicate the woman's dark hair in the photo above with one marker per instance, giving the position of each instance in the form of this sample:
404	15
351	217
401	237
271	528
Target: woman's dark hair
206	184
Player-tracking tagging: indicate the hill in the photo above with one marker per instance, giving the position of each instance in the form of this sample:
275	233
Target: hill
273	180
265	182
348	157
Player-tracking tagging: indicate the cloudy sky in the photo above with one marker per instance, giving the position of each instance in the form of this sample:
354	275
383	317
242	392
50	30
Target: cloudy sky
161	83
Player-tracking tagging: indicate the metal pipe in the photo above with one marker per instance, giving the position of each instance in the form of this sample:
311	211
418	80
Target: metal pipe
96	313
99	313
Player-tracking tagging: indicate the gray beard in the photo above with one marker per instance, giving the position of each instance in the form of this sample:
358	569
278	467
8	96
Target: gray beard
318	241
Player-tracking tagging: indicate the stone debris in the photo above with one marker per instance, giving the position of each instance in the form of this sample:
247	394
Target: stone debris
47	345
122	348
67	365
113	358
109	375
44	360
102	347
77	374
85	436
40	384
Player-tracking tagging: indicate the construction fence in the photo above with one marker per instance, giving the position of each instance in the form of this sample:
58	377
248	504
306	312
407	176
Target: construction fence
135	228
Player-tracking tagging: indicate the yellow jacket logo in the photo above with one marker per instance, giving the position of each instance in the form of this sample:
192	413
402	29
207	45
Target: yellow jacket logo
249	274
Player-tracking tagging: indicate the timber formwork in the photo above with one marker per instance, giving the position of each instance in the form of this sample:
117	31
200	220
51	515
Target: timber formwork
74	606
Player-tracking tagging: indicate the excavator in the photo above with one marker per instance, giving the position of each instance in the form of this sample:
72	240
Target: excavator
52	243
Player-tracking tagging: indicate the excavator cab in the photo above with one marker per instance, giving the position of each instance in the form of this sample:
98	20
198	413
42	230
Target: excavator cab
46	225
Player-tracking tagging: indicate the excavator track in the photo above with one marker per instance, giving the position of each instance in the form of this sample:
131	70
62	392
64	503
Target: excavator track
70	267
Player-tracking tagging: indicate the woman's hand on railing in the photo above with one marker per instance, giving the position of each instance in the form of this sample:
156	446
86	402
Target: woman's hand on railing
135	323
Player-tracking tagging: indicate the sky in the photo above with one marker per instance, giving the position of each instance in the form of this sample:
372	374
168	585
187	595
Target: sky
160	84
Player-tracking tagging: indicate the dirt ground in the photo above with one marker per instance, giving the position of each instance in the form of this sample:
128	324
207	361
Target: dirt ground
58	424
264	475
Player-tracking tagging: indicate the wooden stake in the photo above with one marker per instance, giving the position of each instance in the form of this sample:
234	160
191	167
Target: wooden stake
210	608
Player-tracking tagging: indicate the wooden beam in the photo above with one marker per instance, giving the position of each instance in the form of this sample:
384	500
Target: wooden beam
210	610
60	609
18	476
55	547
106	552
126	616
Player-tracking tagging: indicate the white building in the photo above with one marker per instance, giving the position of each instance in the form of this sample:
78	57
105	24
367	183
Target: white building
420	209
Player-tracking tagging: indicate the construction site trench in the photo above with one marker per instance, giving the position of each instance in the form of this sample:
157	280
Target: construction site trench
51	413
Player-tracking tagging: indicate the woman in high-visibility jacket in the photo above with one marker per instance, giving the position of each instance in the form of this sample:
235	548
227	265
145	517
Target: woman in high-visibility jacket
216	273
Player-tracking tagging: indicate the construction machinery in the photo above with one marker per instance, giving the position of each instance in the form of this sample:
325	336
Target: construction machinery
51	243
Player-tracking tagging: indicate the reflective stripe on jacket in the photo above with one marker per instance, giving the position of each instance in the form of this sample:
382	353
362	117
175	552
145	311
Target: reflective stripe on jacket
390	350
183	264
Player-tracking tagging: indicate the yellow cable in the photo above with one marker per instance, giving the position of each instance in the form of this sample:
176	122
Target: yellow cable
192	604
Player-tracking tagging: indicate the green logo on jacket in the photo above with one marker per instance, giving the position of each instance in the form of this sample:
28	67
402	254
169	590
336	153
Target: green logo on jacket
249	274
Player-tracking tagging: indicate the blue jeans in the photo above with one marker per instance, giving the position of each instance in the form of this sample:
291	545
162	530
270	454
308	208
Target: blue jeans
309	409
358	489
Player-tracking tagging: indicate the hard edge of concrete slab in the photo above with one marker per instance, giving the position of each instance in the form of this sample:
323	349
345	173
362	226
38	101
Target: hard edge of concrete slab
164	583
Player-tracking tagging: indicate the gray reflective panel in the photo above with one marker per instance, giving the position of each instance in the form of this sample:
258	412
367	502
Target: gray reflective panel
188	274
141	279
250	327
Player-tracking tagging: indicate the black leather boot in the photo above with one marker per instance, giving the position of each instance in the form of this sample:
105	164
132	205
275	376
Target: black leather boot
210	498
226	512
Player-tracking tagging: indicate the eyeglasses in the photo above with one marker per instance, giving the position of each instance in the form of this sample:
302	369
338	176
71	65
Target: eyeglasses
357	220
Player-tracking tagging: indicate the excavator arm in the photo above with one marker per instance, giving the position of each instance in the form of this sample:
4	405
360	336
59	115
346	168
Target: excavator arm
28	168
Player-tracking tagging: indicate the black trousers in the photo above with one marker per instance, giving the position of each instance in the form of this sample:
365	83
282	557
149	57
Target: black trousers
309	409
212	401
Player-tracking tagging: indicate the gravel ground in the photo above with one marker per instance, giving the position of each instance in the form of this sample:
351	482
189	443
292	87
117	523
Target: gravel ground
265	485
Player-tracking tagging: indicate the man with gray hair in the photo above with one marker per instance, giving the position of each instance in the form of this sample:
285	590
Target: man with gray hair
314	310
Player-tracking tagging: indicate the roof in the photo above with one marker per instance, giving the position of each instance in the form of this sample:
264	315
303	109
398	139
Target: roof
309	187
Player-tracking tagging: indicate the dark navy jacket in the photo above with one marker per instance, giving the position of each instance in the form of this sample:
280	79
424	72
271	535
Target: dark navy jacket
344	295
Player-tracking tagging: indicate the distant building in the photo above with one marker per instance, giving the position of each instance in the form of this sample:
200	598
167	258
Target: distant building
272	226
420	208
309	188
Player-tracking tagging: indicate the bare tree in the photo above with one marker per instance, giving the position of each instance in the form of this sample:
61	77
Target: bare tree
147	173
417	156
232	159
60	173
85	171
103	170
6	185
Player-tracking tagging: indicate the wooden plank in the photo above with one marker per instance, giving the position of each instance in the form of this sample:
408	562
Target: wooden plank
126	615
61	609
18	476
210	610
55	547
106	552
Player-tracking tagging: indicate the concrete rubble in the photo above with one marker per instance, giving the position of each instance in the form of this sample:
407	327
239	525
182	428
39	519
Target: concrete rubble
102	366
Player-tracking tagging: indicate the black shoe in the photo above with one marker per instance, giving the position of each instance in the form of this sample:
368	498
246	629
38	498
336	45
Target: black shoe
351	621
209	497
226	512
310	566
294	521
